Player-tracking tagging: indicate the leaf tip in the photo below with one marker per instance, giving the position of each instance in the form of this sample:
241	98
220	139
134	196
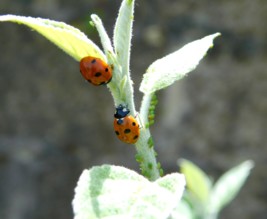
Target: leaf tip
129	2
216	35
95	18
249	164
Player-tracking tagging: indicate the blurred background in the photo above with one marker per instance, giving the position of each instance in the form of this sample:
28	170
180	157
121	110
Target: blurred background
53	124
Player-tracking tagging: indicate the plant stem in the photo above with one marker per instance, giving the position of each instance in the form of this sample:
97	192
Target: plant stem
145	151
148	163
121	85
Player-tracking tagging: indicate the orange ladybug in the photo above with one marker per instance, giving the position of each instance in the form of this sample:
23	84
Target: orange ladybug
126	126
95	70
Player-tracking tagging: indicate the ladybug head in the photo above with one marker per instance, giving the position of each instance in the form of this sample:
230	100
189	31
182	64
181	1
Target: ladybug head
121	111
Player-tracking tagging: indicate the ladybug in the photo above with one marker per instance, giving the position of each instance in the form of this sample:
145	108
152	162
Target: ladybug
126	126
95	70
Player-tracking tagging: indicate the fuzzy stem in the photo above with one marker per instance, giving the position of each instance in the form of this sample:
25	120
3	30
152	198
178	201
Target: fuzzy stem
145	152
145	107
121	85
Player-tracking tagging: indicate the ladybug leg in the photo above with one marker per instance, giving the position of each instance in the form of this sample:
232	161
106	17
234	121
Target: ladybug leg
139	120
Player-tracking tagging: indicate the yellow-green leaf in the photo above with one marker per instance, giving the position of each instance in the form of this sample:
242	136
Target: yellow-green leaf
196	180
68	38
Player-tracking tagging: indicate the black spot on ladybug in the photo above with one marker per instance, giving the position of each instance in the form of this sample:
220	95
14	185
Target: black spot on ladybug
106	69
117	133
126	131
135	137
134	124
89	80
93	61
98	74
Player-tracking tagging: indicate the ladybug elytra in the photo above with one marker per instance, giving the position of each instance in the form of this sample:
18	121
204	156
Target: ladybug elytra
95	70
126	126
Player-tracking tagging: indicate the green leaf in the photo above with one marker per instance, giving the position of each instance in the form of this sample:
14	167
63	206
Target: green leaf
165	71
123	34
106	43
182	211
116	192
69	39
228	185
197	182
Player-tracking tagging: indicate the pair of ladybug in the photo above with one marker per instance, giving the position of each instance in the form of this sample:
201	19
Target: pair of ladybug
97	72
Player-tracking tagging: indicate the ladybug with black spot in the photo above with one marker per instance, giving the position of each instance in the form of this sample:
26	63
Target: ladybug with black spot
126	126
95	70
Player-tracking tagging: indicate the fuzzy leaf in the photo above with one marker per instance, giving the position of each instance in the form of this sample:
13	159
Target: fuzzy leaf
228	185
69	39
182	211
165	71
197	182
106	43
123	34
116	192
